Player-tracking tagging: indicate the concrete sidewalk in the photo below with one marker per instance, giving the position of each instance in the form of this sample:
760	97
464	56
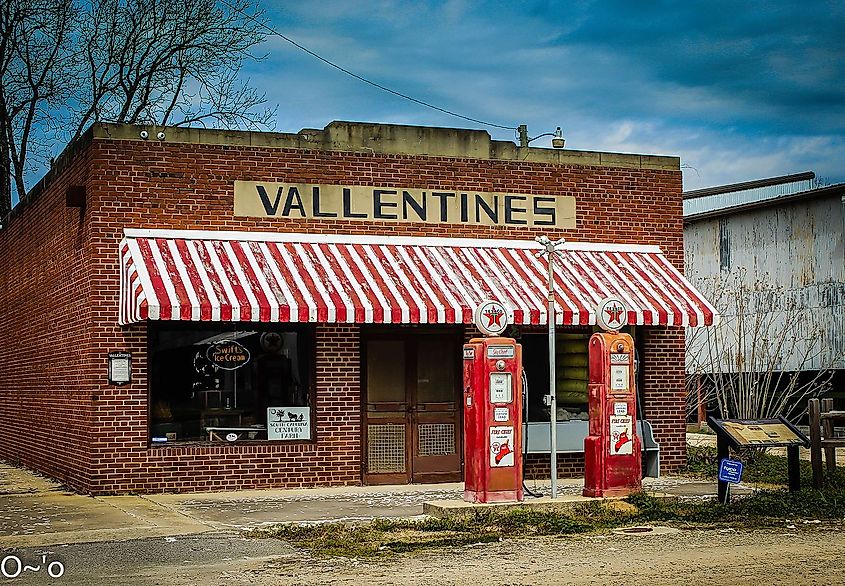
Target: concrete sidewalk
35	511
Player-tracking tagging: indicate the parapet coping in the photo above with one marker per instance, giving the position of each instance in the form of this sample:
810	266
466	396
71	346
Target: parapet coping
392	139
358	137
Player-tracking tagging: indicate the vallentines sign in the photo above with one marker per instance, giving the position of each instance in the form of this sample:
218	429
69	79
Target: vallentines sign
391	204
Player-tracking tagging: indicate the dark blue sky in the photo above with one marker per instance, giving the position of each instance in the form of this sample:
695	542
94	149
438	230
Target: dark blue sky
739	90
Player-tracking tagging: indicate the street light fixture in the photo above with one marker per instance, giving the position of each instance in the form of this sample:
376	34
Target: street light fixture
557	137
550	249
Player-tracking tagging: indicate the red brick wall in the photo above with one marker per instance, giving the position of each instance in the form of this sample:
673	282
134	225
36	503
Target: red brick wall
538	466
663	393
124	463
187	186
46	369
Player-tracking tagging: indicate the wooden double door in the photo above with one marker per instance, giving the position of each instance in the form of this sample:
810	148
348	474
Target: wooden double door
412	408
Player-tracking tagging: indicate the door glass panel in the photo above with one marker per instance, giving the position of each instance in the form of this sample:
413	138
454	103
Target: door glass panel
436	360
385	371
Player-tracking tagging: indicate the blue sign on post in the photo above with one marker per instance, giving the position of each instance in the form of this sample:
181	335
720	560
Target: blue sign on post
730	471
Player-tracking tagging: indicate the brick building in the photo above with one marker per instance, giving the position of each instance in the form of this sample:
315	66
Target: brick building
288	309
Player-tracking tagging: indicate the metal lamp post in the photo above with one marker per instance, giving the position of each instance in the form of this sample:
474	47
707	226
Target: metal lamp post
550	251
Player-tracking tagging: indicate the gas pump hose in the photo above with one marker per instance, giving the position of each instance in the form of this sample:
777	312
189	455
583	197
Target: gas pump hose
527	427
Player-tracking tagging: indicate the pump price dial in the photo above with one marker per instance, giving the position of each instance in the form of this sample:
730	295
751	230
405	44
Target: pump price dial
501	387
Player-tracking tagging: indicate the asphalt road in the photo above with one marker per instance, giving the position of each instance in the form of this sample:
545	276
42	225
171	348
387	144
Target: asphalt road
194	560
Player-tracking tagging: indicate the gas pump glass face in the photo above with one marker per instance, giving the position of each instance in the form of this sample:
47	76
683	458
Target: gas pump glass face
620	365
619	377
501	387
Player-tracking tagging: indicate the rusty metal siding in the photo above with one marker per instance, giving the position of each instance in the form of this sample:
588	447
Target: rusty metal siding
788	262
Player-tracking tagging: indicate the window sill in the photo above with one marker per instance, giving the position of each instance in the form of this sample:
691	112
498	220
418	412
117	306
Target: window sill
220	444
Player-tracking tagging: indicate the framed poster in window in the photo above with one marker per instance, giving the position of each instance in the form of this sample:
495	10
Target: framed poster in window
288	423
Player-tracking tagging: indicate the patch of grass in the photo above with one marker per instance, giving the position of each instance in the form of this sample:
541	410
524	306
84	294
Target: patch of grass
763	509
759	468
401	535
385	536
701	462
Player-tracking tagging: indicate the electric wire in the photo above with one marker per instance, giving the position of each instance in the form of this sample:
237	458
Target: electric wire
273	31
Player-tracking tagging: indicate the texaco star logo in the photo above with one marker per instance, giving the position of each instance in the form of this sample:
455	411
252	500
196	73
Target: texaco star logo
494	316
491	318
611	314
614	313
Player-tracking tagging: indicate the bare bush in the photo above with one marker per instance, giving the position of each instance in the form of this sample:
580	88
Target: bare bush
765	358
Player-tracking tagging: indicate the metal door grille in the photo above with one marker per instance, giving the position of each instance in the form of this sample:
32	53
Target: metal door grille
386	448
436	439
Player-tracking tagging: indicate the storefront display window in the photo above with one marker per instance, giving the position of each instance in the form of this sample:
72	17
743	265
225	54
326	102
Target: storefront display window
571	374
230	382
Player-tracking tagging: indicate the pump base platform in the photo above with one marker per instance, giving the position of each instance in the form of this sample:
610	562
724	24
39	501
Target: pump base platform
458	508
493	496
616	491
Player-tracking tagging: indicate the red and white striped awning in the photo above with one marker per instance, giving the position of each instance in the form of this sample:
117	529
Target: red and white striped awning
268	277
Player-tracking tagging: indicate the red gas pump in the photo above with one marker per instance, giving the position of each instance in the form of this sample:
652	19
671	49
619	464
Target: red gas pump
612	454
492	420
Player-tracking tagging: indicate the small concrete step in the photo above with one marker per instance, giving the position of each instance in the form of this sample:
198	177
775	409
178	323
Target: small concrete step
566	502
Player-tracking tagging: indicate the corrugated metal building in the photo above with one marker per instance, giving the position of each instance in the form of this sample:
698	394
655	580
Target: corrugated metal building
771	257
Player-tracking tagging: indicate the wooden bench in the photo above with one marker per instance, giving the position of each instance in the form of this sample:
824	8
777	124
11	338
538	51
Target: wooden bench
822	418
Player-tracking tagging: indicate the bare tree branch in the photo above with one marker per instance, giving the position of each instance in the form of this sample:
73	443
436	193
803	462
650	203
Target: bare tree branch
66	64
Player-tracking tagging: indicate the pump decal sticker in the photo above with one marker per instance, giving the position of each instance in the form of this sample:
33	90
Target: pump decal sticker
501	414
501	447
621	435
500	351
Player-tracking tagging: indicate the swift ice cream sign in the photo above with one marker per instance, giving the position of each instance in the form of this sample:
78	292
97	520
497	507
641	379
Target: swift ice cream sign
306	201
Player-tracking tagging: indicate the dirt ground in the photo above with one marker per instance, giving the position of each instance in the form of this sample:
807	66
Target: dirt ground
806	555
192	540
789	556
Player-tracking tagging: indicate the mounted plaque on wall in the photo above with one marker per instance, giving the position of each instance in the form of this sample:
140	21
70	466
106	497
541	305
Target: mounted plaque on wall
120	368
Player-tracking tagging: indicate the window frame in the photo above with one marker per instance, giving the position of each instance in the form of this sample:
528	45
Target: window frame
308	331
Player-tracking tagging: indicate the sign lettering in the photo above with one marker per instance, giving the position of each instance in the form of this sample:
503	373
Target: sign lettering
227	354
500	351
288	423
621	435
730	471
502	447
304	201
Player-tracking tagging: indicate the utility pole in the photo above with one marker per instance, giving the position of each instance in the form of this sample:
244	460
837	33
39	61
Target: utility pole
551	399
